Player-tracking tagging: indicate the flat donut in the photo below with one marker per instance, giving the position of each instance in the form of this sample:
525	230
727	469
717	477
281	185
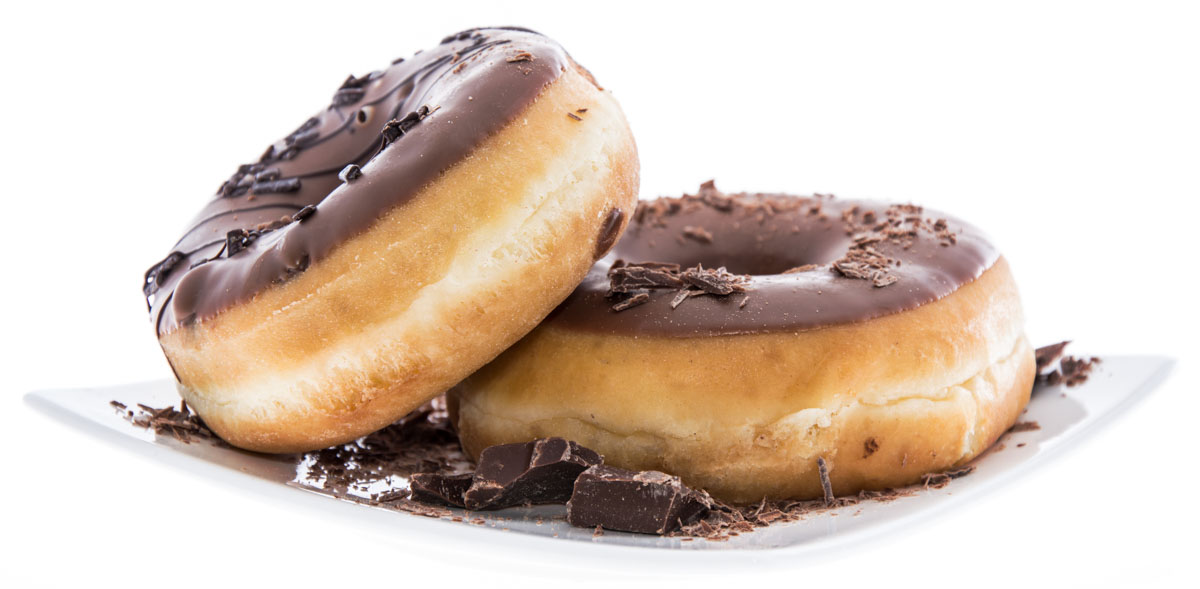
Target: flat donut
424	221
887	340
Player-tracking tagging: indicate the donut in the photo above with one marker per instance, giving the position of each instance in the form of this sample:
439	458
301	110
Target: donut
735	340
426	219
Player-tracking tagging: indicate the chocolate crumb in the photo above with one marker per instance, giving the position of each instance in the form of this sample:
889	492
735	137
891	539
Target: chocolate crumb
1024	426
574	116
869	447
522	56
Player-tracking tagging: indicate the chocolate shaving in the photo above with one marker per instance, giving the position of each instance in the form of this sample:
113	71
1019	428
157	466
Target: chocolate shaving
629	303
522	56
574	116
717	282
181	423
698	233
640	276
937	480
1024	426
1045	356
1070	370
804	268
421	442
826	486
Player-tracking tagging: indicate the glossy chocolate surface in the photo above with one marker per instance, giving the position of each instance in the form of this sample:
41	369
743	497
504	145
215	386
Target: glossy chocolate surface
928	256
383	138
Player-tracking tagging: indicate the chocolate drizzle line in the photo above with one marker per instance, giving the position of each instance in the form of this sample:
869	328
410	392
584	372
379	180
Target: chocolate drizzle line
807	262
402	126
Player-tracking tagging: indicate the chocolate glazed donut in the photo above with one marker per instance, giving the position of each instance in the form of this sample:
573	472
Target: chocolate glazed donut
734	340
373	256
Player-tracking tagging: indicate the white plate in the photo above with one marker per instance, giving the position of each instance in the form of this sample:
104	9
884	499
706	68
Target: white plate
1066	416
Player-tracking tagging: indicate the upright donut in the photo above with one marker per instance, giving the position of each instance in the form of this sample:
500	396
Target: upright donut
421	223
735	340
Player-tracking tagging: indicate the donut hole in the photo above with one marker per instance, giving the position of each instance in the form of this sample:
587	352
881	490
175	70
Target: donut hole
742	249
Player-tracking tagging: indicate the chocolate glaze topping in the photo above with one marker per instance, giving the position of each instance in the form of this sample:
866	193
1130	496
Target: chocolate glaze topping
801	263
383	138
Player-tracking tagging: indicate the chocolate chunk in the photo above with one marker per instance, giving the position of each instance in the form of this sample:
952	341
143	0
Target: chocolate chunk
1025	426
647	502
534	473
439	489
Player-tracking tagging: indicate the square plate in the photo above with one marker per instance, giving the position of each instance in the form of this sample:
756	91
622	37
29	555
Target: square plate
1066	416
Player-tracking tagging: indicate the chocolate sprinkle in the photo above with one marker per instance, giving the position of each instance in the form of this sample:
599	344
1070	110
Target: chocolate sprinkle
304	213
350	173
534	473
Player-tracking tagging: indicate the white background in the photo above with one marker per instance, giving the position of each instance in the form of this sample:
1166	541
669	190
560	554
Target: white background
1069	131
